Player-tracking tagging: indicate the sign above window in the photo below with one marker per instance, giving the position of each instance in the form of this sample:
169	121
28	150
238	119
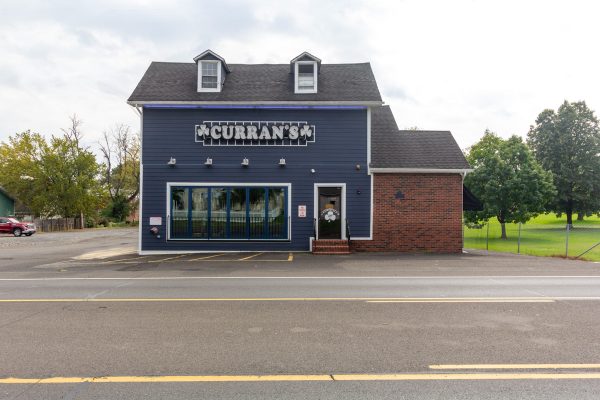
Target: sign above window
255	133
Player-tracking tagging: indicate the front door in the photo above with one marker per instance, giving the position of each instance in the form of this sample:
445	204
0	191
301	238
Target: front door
330	213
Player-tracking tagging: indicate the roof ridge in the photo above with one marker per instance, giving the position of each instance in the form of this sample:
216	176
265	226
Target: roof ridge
257	64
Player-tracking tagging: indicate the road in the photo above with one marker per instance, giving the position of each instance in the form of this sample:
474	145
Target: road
295	326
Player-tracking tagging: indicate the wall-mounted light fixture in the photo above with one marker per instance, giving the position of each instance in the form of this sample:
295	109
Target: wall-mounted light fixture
208	162
172	162
282	162
358	167
312	171
245	162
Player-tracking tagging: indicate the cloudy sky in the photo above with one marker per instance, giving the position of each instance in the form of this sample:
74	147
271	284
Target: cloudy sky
455	65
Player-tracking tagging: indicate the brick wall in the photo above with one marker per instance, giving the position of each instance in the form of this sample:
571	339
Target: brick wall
416	213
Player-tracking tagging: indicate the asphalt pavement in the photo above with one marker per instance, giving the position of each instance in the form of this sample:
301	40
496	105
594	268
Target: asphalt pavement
96	321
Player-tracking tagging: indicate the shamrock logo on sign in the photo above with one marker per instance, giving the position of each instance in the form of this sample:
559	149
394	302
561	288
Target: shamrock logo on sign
330	214
306	132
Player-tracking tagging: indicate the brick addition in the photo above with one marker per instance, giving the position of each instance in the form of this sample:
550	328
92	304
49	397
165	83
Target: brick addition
416	213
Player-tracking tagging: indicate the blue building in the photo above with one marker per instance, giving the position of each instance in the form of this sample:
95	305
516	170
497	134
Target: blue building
239	157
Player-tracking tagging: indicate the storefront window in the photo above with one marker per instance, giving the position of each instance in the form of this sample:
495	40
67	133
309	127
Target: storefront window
179	207
257	213
200	213
218	213
237	213
277	205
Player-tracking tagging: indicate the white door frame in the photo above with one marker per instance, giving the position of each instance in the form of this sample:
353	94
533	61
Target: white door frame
316	206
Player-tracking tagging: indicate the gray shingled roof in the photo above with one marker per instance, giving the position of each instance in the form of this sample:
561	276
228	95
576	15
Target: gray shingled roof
256	82
393	148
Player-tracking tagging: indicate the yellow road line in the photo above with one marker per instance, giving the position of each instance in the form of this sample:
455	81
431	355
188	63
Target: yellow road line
207	257
514	366
290	257
472	376
465	301
320	377
166	259
249	257
367	299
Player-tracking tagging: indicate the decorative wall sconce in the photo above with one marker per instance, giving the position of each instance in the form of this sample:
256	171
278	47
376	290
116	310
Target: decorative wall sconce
208	162
358	167
312	171
172	162
282	162
245	162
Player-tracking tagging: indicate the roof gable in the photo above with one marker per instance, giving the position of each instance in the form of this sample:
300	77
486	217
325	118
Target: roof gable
306	56
211	55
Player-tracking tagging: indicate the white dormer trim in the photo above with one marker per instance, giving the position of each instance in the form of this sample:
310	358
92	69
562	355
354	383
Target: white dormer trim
219	78
212	53
297	89
306	54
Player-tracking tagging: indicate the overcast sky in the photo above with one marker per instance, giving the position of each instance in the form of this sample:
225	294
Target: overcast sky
454	65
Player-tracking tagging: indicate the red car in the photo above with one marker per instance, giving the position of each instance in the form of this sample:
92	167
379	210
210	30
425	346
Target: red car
11	225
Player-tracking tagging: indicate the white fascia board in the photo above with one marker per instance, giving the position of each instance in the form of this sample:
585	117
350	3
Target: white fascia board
419	171
260	103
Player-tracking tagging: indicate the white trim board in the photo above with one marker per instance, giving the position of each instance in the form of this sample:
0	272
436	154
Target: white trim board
140	202
418	171
257	103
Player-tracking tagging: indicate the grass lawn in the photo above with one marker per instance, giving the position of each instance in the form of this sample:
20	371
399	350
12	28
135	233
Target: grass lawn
544	235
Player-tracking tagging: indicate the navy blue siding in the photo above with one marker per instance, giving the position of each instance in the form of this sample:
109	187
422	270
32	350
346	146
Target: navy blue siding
341	144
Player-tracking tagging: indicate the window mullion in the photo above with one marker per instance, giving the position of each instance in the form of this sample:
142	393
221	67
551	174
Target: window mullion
189	212
248	213
228	217
209	213
267	233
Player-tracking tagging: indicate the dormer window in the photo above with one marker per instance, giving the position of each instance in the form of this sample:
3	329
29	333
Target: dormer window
305	68
210	74
306	76
212	70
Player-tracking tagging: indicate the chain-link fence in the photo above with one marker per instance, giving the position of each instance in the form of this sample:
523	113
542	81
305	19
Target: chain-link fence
537	238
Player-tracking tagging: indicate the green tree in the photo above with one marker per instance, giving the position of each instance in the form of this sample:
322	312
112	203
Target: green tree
121	169
53	177
508	180
567	142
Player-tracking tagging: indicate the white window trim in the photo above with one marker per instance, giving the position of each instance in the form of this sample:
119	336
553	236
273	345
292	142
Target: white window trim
316	206
315	71
230	184
219	83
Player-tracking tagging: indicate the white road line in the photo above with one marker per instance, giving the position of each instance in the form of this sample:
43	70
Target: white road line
303	277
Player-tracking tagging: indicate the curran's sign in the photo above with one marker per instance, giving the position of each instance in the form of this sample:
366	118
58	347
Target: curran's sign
255	133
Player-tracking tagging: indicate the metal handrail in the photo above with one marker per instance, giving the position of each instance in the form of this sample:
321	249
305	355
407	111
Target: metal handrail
315	228
348	235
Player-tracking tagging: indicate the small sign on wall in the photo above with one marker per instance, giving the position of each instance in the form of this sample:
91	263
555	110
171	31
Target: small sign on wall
155	220
302	211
